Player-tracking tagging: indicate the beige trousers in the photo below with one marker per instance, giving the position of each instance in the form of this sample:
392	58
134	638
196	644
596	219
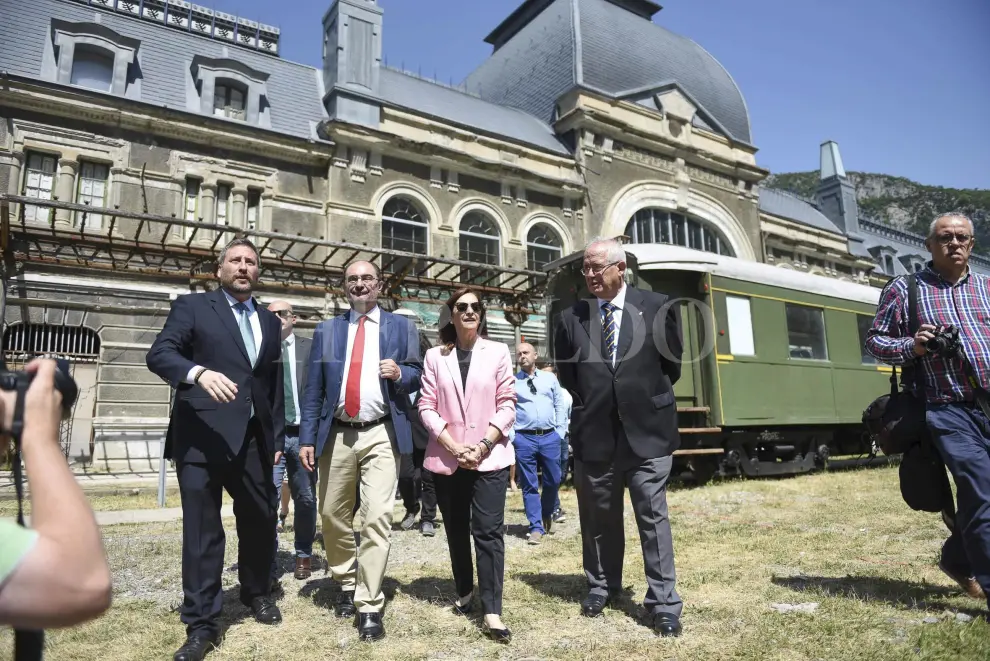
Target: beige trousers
365	459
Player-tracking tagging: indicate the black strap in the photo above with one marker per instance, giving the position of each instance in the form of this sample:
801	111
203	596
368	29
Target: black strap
919	376
28	645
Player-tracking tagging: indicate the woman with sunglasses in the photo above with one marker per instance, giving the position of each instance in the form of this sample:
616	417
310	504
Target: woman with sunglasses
468	406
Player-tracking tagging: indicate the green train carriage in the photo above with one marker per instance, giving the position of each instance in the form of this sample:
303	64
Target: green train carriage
775	376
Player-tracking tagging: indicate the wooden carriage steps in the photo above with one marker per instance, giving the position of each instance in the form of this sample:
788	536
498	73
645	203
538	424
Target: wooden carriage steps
697	412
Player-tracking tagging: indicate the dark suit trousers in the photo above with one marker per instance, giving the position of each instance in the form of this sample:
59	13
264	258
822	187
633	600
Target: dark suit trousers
600	490
247	479
473	505
416	484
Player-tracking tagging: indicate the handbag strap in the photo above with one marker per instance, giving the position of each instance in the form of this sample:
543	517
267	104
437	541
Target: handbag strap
918	373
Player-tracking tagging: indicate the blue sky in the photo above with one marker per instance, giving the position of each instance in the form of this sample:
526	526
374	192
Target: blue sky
902	85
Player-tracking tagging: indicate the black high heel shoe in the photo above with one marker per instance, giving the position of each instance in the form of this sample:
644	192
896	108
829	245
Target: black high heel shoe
466	608
503	636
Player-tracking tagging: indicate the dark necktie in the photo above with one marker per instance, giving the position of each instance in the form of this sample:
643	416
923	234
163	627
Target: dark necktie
290	402
610	331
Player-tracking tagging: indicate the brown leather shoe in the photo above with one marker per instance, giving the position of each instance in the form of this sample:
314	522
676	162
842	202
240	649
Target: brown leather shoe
967	583
303	570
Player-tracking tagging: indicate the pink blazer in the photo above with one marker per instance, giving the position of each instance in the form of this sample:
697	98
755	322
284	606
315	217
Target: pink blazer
490	398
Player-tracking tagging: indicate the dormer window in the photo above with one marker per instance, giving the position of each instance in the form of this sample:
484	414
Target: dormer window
228	88
92	56
228	100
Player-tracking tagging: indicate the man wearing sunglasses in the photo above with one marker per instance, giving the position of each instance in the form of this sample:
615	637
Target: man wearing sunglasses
951	347
364	364
302	484
541	421
619	355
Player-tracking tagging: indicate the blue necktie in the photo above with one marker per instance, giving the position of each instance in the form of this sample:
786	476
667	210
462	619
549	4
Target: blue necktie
610	331
246	333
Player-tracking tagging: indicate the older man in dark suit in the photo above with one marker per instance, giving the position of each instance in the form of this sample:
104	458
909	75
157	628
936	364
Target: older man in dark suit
618	354
302	483
221	351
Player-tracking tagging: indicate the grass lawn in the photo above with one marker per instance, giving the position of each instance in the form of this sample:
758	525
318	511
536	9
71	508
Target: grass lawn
124	499
844	542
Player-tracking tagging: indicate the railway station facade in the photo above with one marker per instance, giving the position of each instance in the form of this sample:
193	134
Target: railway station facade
185	126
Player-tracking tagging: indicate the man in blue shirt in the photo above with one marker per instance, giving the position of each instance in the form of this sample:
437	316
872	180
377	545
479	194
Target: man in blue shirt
541	421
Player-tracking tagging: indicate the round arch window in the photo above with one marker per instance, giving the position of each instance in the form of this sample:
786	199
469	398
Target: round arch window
662	226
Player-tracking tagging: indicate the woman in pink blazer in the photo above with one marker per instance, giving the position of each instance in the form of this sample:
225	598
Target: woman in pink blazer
468	406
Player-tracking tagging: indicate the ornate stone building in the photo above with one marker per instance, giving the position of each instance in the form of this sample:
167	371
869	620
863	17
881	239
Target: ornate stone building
118	116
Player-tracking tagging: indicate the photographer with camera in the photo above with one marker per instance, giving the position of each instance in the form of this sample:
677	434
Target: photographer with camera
951	348
55	573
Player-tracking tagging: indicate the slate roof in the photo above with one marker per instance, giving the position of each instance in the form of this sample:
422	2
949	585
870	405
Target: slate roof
457	107
294	91
165	57
603	46
790	206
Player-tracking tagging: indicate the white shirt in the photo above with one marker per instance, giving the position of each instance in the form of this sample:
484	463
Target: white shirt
290	349
252	318
619	302
373	404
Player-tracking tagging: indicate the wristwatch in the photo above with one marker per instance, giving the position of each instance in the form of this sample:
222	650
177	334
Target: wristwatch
488	445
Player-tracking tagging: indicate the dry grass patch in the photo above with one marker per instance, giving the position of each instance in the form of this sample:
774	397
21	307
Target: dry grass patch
125	499
745	551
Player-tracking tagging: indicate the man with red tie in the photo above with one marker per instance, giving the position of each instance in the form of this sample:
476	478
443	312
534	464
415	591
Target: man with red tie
355	422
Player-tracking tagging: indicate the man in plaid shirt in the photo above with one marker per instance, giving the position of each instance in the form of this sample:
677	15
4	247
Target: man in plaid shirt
950	294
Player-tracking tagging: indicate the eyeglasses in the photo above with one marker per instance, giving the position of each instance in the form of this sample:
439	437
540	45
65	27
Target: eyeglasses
592	273
532	386
285	314
366	279
946	239
463	307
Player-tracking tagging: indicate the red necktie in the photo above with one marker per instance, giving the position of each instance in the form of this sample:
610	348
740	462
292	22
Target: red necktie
352	395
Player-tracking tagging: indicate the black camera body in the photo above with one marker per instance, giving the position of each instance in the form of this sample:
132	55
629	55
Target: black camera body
946	342
20	381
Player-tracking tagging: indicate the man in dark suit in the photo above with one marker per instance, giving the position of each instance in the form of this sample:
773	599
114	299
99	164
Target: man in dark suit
302	484
363	366
618	354
221	352
419	495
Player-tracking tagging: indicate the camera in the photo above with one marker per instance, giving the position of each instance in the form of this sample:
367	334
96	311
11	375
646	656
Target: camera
945	343
20	381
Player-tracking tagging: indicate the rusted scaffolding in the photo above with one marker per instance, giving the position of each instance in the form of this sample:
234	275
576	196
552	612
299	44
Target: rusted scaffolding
166	247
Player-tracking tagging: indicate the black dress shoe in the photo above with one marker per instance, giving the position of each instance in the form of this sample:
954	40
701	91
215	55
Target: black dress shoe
594	604
195	648
265	611
503	636
667	624
345	604
370	626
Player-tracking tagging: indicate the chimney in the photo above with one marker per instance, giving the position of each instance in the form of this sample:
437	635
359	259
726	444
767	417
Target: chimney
352	55
836	196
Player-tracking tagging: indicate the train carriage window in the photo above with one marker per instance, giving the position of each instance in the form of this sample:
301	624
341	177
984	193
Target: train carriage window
806	332
865	323
740	326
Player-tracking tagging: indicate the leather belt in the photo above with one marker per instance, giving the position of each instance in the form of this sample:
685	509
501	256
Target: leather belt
356	424
535	432
292	430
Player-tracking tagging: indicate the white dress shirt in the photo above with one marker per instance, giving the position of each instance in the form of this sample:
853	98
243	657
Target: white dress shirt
252	318
373	404
290	349
619	302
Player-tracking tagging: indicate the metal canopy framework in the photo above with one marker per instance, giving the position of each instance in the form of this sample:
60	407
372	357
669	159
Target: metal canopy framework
141	244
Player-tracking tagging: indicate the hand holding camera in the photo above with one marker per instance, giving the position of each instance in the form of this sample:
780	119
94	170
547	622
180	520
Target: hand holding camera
941	340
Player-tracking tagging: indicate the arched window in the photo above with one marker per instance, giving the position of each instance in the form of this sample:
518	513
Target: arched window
24	341
92	67
543	245
404	228
660	226
481	242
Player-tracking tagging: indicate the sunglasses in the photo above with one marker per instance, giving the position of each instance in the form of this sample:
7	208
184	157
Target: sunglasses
463	307
946	239
532	386
285	314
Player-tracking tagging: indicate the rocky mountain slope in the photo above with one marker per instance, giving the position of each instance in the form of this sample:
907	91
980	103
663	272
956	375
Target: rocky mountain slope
900	202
